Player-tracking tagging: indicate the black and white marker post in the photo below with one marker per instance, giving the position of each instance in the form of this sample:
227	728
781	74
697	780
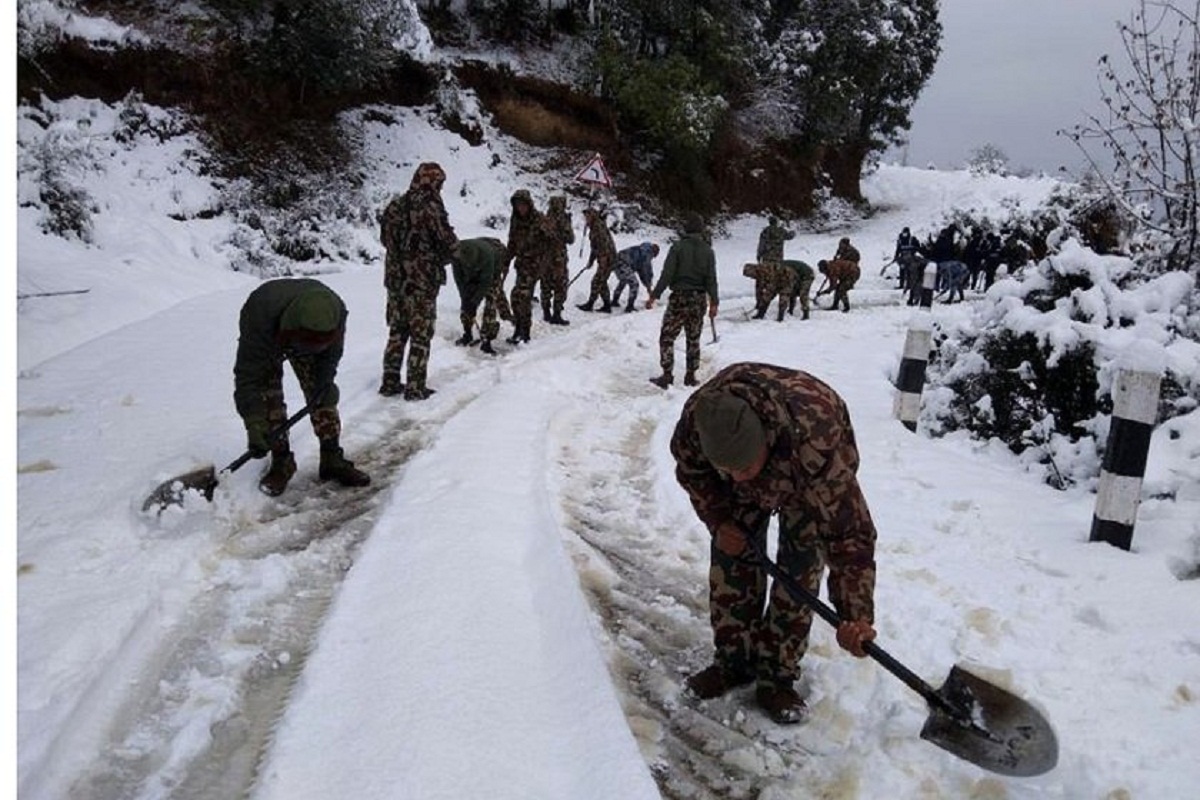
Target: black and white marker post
910	382
1135	410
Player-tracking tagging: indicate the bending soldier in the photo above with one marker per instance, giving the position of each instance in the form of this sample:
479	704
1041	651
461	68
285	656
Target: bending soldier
303	322
754	441
634	264
476	265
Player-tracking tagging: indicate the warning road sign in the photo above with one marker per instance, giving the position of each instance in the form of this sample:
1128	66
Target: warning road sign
595	173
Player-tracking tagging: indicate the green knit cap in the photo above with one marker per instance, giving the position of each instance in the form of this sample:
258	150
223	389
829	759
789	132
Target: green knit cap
316	309
731	434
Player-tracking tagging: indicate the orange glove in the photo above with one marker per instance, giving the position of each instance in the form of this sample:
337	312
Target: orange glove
853	634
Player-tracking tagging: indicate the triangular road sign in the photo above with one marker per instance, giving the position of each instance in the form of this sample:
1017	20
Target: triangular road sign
595	172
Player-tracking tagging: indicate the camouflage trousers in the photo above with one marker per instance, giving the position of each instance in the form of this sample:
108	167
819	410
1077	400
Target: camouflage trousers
553	289
599	289
756	631
411	315
489	327
800	291
685	311
774	280
326	422
522	299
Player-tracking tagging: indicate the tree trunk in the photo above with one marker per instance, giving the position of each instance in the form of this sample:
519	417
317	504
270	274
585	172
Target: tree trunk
843	164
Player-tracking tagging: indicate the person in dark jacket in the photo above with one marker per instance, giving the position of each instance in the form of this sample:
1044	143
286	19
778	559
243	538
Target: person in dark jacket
755	441
477	268
634	264
303	322
690	272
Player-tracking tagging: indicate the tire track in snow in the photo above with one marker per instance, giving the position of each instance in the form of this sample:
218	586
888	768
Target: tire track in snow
201	715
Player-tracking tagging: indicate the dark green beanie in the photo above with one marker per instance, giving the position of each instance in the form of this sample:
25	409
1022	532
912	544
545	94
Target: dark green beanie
317	310
731	434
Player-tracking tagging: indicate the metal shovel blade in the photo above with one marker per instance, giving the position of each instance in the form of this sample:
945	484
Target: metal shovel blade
168	493
997	730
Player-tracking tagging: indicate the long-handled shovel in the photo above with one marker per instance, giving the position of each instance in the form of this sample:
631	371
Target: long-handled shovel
204	479
969	717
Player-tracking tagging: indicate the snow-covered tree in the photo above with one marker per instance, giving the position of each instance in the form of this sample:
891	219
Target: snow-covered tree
1149	129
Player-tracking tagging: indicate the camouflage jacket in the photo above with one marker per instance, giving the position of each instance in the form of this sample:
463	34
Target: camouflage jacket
847	252
261	353
810	474
770	242
528	244
601	240
418	237
842	273
558	227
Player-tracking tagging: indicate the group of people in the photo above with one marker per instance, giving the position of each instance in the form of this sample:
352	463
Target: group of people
790	280
754	441
972	264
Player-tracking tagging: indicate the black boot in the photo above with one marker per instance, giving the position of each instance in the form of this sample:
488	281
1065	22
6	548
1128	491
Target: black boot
760	313
690	378
663	381
336	467
275	480
486	347
629	306
605	309
586	306
466	340
557	319
391	385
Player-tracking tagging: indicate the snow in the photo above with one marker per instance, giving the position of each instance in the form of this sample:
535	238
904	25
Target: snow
510	609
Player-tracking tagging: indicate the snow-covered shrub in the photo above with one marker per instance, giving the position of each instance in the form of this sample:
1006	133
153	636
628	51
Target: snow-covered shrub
1035	365
55	164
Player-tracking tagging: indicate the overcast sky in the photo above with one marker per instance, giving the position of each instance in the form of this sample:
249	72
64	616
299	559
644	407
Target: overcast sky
1011	73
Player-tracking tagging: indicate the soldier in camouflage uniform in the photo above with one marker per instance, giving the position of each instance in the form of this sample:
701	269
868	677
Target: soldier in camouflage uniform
847	251
690	272
772	280
529	248
476	265
802	275
301	321
840	277
604	256
417	235
554	281
757	440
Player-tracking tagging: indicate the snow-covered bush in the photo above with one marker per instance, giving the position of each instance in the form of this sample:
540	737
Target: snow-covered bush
1034	366
54	164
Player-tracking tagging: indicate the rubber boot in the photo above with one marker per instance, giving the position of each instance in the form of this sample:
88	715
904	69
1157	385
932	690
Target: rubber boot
336	467
391	385
275	479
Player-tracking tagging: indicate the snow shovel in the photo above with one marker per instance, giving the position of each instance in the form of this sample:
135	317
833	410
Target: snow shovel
204	479
969	717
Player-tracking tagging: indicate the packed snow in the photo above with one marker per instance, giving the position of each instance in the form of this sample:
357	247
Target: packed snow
510	609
